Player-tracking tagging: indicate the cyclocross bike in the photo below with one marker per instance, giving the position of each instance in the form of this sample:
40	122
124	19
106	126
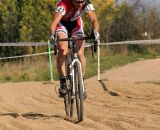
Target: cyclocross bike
75	85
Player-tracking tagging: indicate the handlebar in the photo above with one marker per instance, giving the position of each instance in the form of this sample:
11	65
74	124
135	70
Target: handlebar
75	38
56	40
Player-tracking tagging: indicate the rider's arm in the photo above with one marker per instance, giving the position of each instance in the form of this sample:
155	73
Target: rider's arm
59	13
56	19
94	21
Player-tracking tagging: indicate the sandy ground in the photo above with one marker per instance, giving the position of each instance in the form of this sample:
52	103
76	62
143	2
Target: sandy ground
127	98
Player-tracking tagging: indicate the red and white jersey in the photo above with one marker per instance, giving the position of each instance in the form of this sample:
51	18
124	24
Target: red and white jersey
69	12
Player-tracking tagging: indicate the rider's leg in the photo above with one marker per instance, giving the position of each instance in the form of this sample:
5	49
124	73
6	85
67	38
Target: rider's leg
61	63
63	28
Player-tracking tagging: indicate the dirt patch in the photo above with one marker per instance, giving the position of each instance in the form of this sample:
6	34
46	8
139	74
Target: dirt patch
126	98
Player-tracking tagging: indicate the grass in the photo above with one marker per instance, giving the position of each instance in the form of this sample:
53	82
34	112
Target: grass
107	63
37	68
109	60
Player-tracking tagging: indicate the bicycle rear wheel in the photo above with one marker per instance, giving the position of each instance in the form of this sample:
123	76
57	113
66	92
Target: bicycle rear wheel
78	83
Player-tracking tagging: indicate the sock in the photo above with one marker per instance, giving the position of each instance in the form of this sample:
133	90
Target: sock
83	77
62	79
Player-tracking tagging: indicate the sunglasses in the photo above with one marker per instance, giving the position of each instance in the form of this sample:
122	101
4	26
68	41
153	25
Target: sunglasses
79	2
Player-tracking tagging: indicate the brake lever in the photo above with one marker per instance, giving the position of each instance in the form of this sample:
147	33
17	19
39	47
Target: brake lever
95	43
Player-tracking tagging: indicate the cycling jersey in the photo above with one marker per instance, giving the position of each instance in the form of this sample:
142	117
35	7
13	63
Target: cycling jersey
71	21
69	12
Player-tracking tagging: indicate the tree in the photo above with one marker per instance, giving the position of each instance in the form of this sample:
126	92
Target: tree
104	10
34	24
24	21
8	21
8	25
125	25
153	23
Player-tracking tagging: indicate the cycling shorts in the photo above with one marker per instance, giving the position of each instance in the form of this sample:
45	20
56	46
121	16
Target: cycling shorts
71	27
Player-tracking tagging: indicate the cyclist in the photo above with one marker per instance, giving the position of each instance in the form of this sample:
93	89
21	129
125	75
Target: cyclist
67	20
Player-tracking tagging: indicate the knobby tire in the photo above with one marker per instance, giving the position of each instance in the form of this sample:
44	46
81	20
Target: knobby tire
79	91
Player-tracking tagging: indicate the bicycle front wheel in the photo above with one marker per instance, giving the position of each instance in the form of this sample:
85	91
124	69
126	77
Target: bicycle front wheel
68	102
78	83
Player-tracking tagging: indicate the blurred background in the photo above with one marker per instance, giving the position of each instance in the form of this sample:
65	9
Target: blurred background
29	21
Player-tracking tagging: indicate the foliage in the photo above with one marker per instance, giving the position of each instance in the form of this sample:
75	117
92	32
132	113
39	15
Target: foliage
105	14
24	21
8	21
125	25
29	21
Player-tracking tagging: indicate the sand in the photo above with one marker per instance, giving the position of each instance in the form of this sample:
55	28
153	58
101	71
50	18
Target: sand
126	98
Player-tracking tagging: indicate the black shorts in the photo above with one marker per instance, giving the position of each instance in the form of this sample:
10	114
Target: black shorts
71	27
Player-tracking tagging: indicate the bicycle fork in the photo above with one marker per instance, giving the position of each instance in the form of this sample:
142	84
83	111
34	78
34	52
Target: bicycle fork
72	70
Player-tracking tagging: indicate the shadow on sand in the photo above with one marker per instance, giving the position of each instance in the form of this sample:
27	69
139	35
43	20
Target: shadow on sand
34	116
31	115
106	89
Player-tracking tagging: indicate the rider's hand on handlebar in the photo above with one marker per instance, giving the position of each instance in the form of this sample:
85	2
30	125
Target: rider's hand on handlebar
96	36
52	39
